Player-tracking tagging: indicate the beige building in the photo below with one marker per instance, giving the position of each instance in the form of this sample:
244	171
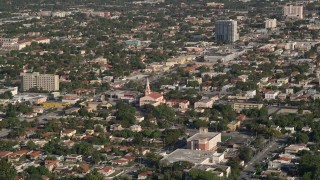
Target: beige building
293	11
204	140
178	103
239	106
270	23
234	125
204	103
47	82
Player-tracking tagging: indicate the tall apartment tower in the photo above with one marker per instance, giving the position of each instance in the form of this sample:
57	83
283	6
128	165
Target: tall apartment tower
270	23
226	31
293	11
47	82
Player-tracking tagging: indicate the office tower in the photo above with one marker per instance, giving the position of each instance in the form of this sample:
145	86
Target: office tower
226	31
293	11
46	82
270	23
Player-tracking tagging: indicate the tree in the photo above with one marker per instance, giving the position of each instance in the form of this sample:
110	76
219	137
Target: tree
125	114
153	159
201	174
6	95
83	148
31	145
235	168
7	171
171	136
309	164
36	172
302	138
83	112
200	123
245	153
258	142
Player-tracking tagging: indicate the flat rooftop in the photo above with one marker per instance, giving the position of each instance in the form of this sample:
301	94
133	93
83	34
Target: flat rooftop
208	135
193	156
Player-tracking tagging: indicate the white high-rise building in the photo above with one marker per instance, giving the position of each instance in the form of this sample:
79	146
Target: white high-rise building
47	82
270	23
226	31
293	11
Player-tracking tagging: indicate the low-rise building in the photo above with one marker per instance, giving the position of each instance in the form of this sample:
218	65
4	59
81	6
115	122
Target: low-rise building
178	103
238	107
234	125
68	132
73	158
135	128
194	156
204	140
271	95
204	103
295	148
106	171
251	93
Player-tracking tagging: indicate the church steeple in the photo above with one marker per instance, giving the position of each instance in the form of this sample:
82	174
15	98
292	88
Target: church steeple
147	91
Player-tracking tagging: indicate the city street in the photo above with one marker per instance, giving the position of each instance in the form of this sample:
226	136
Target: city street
249	169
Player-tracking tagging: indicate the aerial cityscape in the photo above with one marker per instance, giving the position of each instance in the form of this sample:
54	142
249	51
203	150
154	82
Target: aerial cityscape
159	90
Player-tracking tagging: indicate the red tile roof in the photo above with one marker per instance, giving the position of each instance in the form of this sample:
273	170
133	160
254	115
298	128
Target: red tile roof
155	95
106	169
35	153
5	153
85	168
283	159
21	152
146	173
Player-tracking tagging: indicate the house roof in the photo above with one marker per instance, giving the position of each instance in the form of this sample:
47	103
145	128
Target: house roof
35	153
146	173
47	134
119	161
67	131
4	153
155	95
283	159
21	152
47	162
106	169
85	168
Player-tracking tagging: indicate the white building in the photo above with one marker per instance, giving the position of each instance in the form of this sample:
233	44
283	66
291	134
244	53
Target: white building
59	14
251	93
271	95
135	128
295	148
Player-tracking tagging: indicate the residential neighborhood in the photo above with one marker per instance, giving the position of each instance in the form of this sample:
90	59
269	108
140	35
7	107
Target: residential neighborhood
159	89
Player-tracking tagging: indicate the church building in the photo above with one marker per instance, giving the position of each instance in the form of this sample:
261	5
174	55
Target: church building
153	98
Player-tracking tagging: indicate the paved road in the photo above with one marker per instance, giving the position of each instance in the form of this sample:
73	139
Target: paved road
245	174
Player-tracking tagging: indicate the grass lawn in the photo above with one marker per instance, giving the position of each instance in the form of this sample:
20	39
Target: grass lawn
225	137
